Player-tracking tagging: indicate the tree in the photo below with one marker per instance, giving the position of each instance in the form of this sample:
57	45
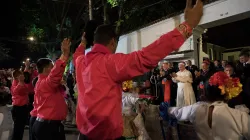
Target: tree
90	10
120	5
4	52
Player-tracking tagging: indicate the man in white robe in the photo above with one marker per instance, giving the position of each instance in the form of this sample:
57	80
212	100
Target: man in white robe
185	92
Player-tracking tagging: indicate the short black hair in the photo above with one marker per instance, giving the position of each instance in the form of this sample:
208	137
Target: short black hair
246	54
16	73
89	30
43	63
104	33
213	93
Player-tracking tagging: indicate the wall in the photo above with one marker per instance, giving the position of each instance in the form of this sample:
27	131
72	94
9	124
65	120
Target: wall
235	54
217	13
216	51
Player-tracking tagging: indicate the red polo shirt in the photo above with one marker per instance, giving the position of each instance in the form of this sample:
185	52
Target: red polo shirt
20	94
99	110
49	101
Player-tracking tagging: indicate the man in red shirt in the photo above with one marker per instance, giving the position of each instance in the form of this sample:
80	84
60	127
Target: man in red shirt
20	100
99	113
50	105
33	114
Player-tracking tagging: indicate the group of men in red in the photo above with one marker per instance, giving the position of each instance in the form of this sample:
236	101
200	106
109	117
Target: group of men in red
99	75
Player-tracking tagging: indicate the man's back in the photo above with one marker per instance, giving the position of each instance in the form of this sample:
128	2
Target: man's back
102	117
227	123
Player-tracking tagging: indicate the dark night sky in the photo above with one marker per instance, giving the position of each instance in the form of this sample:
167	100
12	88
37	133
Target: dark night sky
9	11
10	19
232	35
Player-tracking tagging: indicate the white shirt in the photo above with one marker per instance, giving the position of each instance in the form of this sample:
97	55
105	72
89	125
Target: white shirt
227	123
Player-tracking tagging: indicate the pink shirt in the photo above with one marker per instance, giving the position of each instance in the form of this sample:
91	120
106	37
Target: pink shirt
49	103
20	94
99	77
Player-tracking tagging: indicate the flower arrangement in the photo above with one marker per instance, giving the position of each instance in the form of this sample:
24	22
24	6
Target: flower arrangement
127	85
230	87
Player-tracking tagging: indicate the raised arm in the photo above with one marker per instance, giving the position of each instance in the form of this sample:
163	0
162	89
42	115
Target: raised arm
139	62
186	113
56	74
123	67
80	50
27	66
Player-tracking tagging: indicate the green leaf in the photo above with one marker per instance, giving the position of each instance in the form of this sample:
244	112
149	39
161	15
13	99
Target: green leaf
113	3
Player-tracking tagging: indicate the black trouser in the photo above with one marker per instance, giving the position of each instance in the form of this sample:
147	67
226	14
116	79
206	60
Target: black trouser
30	106
19	116
32	121
83	137
48	130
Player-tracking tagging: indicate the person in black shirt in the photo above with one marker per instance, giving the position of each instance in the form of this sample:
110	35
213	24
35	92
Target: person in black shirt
217	66
202	77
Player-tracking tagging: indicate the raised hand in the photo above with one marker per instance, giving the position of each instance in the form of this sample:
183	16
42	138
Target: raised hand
83	40
27	63
65	48
194	13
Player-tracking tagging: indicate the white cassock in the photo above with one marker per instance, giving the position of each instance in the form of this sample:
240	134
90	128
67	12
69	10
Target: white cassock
226	123
185	92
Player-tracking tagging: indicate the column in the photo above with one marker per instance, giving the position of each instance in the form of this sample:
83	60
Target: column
197	55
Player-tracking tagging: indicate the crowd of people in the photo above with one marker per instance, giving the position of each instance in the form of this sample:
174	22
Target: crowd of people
43	94
189	80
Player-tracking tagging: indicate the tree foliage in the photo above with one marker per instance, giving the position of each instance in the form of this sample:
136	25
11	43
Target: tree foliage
36	32
113	3
4	52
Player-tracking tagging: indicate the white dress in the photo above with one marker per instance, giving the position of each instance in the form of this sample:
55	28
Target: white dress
185	92
227	123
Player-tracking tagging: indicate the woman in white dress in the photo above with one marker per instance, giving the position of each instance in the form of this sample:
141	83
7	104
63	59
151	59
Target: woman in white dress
213	119
185	92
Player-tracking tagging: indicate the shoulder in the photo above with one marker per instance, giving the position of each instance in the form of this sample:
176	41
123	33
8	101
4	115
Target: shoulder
187	71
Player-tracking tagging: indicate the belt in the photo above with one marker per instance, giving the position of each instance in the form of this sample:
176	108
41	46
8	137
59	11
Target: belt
47	121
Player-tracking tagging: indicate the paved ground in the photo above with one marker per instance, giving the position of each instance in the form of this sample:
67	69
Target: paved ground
6	126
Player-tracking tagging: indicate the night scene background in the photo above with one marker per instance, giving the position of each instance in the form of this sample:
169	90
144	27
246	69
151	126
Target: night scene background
49	21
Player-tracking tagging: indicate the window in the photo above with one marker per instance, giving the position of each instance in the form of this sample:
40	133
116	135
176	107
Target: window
231	58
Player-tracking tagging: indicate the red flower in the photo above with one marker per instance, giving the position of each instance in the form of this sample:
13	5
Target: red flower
219	79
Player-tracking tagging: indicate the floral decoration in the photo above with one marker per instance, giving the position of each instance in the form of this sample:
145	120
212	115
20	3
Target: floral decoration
230	87
127	85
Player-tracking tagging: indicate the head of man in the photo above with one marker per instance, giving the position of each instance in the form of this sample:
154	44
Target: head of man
106	36
205	66
44	66
229	70
216	63
181	66
224	63
18	75
188	63
244	57
165	65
